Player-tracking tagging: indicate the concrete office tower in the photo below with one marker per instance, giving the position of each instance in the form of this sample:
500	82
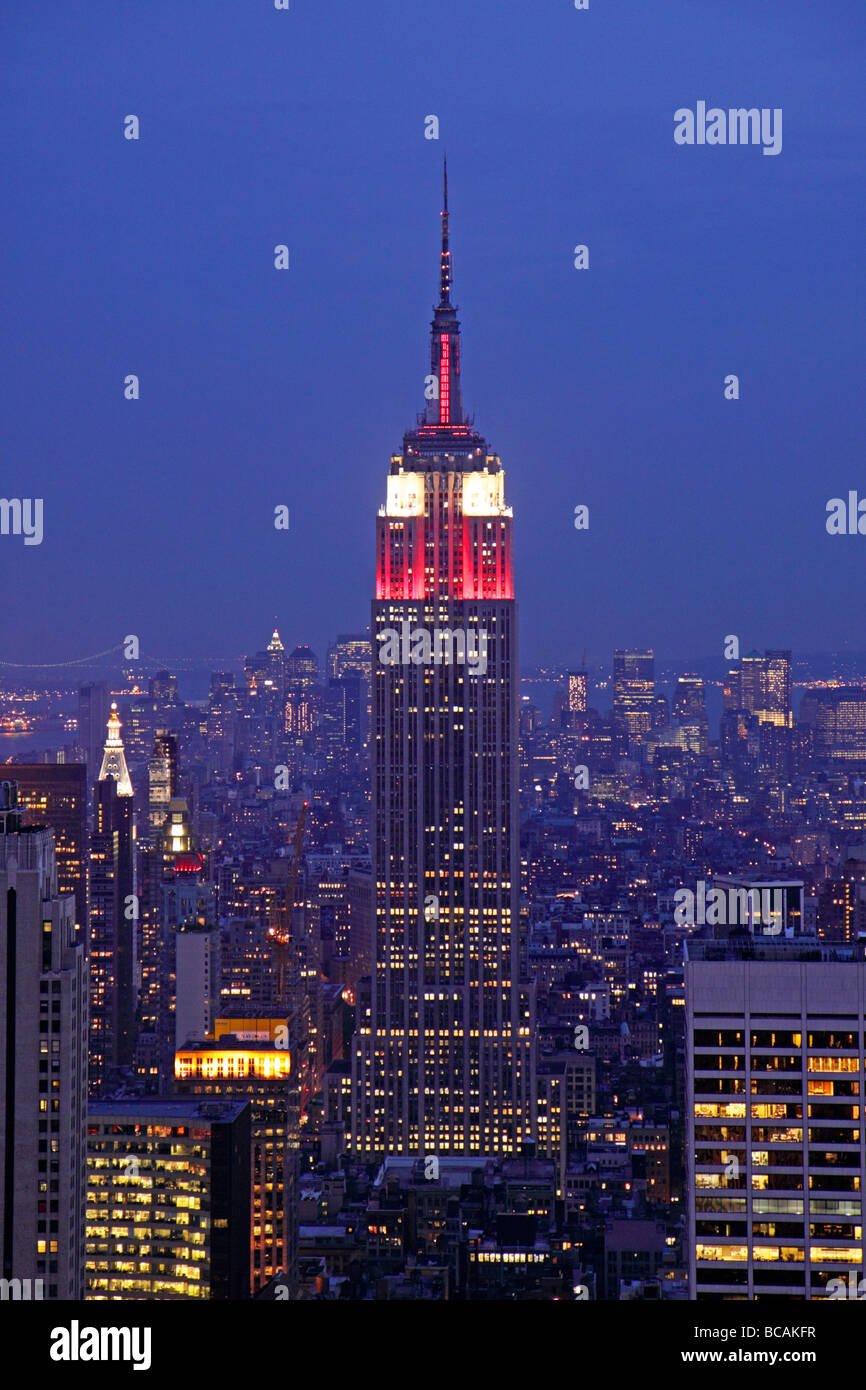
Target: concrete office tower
633	696
43	1063
443	1061
197	973
113	918
776	1167
168	1199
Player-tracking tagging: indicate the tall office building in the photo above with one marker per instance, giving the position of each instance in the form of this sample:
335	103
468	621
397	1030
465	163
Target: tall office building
160	708
168	1199
348	665
838	717
689	704
197	978
349	655
633	696
161	778
689	709
43	1063
443	1061
113	917
222	720
222	686
578	683
262	722
94	701
173	890
163	688
250	1058
275	670
343	704
776	1168
187	946
762	685
265	673
841	903
55	794
302	678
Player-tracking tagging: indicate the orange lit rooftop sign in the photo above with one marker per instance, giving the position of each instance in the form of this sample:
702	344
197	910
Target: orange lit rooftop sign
232	1064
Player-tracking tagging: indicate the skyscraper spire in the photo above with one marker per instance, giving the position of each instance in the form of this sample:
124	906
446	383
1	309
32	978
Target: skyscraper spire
445	261
444	1056
446	407
114	758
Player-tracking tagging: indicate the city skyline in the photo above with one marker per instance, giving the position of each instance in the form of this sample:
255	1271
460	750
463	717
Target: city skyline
433	795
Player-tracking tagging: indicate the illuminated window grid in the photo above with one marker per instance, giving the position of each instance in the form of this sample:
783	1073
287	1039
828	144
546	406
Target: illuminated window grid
824	1239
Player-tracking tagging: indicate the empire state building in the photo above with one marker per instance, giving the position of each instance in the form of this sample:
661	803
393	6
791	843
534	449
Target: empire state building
443	1059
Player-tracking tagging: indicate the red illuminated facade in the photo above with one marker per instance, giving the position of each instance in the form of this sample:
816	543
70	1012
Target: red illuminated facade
445	532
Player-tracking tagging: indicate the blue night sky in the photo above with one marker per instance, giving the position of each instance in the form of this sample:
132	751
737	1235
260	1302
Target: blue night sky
259	387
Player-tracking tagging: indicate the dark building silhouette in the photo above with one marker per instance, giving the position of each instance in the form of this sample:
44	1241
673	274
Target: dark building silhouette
55	794
94	704
43	1063
113	918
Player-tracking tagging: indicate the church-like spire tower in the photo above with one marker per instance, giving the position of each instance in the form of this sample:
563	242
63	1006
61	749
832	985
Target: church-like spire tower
114	758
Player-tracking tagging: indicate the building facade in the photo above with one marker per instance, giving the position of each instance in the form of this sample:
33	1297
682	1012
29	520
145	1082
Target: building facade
633	696
168	1199
775	1157
43	1063
443	1058
55	794
113	919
